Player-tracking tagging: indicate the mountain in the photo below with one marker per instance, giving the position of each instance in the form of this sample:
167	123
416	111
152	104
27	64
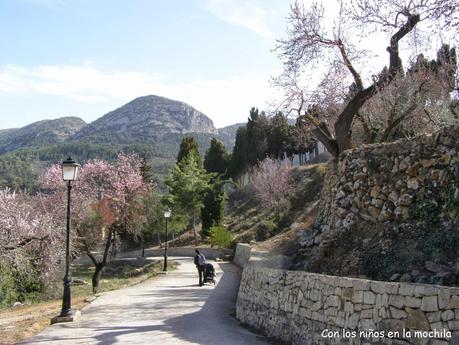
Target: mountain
147	119
150	126
45	132
228	135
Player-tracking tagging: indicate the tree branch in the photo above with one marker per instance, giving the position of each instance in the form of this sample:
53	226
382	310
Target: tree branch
350	67
344	121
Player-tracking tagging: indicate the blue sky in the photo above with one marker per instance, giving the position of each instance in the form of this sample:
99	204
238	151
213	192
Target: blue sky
87	57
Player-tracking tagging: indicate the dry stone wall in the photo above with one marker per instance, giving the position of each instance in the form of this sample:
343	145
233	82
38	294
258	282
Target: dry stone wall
379	201
308	308
242	254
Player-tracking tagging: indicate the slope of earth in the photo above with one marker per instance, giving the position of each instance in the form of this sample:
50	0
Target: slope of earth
250	222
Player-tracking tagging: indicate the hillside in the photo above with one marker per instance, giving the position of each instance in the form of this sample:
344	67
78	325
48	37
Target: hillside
251	223
45	132
228	134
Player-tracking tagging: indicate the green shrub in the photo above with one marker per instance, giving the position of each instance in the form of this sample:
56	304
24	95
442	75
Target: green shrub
28	285
220	237
8	293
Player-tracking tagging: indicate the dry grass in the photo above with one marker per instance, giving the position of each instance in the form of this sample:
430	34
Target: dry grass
28	320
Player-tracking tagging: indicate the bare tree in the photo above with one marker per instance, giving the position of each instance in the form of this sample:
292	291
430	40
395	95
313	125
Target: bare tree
272	183
338	52
418	101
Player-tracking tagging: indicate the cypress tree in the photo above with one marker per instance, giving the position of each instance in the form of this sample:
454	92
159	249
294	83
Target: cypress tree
214	205
188	146
216	159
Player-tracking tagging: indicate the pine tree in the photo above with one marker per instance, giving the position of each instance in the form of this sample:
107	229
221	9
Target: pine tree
187	184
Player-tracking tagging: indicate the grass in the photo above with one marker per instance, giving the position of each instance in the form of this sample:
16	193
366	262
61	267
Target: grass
26	321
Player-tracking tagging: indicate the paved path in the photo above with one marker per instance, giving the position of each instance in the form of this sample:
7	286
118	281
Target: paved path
168	310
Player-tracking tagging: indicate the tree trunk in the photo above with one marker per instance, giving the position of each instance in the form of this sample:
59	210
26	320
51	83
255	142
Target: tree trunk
96	277
195	234
159	239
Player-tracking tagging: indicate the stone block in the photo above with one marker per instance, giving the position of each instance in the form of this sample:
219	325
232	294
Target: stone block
331	312
369	297
454	302
333	301
391	288
383	313
366	314
345	282
377	287
434	317
447	315
352	321
347	293
348	307
360	284
357	297
412	302
397	313
416	319
429	303
397	301
406	289
453	325
366	324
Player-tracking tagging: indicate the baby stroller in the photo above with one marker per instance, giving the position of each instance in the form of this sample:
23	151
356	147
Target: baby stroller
209	274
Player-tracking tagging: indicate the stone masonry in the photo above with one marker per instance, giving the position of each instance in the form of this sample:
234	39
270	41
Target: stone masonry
379	192
306	308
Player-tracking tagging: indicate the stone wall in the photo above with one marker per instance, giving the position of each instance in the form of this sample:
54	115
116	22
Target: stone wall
242	254
297	307
394	203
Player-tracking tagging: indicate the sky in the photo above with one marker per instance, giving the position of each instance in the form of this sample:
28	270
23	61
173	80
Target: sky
85	58
88	57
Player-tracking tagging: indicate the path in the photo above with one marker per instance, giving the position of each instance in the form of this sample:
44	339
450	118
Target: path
168	310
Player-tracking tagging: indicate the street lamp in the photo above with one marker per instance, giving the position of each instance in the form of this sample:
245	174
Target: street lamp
69	174
167	214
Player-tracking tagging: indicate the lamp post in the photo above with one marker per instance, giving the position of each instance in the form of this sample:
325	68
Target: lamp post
167	214
69	174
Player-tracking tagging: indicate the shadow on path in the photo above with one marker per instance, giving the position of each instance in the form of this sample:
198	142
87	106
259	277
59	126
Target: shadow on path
165	313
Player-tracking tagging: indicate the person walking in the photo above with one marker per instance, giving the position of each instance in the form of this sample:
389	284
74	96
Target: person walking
200	262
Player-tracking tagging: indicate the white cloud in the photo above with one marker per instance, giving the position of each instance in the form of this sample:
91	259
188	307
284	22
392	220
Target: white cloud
241	13
226	101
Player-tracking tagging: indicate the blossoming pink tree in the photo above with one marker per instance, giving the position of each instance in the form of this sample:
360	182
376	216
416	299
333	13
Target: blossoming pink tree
107	203
29	236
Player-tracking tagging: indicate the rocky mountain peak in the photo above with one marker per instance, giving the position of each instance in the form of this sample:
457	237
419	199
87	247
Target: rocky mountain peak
150	117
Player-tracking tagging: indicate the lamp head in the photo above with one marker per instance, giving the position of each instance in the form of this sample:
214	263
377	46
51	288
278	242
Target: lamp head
69	169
